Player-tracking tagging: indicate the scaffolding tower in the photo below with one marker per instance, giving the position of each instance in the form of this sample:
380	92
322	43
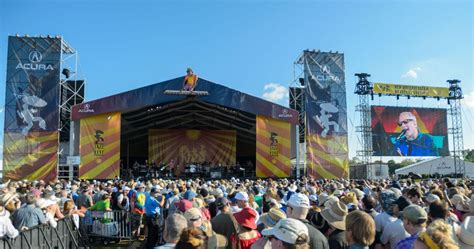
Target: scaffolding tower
364	90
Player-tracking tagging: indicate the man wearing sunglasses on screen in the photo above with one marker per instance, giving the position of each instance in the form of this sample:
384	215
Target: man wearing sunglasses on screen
411	142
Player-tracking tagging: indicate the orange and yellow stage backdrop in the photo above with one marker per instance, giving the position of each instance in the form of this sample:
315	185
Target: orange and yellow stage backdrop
192	146
273	147
100	146
31	157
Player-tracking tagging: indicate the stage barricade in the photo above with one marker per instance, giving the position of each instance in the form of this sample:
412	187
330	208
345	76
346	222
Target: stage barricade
109	225
65	235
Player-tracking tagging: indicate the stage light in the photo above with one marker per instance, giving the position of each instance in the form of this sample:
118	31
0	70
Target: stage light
301	80
66	73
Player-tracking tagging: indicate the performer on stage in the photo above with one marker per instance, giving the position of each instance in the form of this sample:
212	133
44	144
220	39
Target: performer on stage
190	81
411	142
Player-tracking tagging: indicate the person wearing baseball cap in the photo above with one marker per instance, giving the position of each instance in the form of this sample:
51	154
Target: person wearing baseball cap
224	222
297	208
414	221
288	233
394	231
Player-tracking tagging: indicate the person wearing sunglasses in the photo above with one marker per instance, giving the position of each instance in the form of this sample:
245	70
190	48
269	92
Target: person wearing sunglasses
411	142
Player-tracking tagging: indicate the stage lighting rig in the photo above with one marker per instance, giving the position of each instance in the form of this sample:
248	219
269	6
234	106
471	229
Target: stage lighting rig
455	91
363	86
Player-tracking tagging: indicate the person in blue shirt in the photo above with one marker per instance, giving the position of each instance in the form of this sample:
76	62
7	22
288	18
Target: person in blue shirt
411	141
153	204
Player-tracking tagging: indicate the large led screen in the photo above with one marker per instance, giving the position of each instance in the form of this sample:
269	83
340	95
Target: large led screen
408	131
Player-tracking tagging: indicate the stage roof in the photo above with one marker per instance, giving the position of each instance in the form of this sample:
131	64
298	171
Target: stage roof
153	96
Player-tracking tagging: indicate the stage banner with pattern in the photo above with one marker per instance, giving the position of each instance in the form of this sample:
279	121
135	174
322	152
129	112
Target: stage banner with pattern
273	148
100	146
326	115
183	147
30	149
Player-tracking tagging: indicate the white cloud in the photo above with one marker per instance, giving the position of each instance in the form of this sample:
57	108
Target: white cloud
412	73
468	100
275	92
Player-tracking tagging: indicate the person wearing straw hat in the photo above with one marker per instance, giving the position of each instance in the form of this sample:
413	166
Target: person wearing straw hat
6	225
297	208
270	218
335	216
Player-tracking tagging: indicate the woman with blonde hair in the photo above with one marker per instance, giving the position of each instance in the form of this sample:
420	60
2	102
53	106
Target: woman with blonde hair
438	235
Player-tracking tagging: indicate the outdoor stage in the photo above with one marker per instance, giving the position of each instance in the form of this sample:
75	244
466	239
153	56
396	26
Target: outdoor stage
219	130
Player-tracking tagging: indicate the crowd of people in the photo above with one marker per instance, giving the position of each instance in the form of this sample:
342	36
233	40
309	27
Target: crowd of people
258	213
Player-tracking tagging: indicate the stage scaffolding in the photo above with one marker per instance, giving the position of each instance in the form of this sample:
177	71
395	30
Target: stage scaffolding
71	92
364	89
296	91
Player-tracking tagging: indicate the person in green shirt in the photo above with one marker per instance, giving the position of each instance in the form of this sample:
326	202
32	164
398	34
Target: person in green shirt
102	205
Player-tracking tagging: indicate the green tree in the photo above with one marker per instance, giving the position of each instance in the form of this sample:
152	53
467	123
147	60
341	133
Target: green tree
469	156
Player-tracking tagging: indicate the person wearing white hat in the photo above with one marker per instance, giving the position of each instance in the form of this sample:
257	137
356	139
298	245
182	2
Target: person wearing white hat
466	235
288	233
297	208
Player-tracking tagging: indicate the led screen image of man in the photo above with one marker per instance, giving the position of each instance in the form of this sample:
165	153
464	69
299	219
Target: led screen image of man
411	142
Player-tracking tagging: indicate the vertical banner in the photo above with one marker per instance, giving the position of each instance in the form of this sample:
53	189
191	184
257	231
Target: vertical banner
326	115
192	146
30	149
100	146
273	147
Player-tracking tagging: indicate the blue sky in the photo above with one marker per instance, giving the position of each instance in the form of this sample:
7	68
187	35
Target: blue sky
248	45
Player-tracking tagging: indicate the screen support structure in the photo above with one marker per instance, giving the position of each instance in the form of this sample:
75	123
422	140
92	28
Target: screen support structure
454	101
364	89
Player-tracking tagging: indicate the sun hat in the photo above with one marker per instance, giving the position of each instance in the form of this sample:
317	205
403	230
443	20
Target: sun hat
335	215
242	196
299	200
359	193
272	217
430	198
44	203
350	198
287	230
193	214
466	234
246	218
7	198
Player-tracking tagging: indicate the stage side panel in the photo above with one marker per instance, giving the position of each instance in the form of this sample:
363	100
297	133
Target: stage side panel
182	147
100	146
31	109
326	115
273	147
